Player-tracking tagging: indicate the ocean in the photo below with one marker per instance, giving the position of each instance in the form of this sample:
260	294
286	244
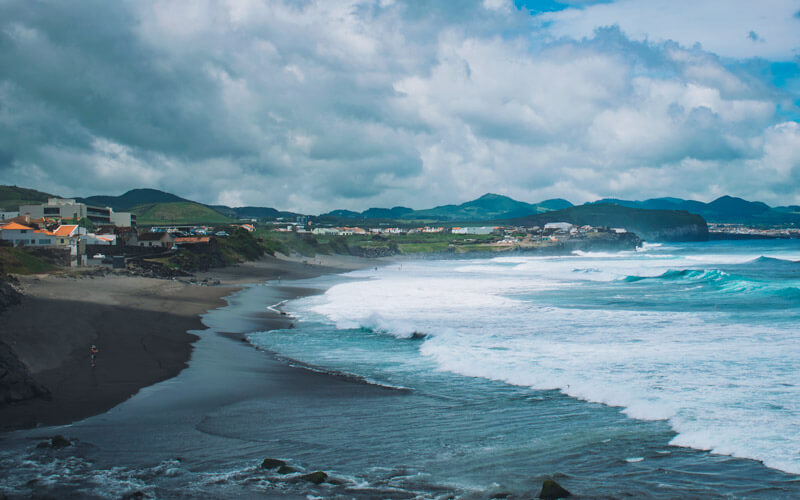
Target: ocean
668	372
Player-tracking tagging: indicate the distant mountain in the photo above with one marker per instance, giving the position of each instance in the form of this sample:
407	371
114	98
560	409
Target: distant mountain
132	198
488	207
648	224
386	213
343	214
11	197
726	209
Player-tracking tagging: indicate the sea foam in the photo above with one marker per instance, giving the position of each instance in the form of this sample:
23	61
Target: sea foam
628	334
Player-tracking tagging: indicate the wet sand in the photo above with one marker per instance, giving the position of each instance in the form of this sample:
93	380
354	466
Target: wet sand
140	326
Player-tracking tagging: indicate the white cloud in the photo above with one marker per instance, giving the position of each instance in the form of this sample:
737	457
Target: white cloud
353	104
721	27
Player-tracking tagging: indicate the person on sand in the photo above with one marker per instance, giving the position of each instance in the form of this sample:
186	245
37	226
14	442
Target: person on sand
93	354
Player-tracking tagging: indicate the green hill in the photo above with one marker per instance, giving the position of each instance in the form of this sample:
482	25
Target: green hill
181	212
487	207
11	197
650	225
132	198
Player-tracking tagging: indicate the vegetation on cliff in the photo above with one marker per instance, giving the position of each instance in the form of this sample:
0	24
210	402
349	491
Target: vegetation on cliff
240	246
652	225
20	261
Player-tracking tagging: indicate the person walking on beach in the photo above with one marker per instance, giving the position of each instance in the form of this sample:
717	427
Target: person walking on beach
93	354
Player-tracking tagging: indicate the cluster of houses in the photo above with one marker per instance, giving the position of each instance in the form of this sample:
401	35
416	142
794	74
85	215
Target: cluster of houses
55	224
350	231
550	231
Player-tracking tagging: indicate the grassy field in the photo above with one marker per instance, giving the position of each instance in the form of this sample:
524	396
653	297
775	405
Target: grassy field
182	212
310	245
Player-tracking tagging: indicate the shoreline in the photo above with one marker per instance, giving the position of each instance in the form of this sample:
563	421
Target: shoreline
141	327
213	425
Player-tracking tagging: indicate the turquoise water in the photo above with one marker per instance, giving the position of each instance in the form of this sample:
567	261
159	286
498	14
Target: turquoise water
652	356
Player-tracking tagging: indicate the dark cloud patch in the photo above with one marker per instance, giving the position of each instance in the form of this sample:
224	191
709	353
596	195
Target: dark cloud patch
752	35
100	77
6	159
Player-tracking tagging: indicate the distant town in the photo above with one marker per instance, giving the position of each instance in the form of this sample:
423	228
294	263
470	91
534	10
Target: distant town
84	232
185	235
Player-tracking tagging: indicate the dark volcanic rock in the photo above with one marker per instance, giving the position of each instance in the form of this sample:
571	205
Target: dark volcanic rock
317	477
8	295
136	495
551	490
58	441
16	383
285	469
272	463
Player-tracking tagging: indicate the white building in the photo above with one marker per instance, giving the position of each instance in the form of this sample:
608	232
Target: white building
67	208
559	226
20	235
100	239
473	230
64	236
8	215
325	231
123	219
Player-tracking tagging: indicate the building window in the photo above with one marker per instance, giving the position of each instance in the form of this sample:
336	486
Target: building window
44	242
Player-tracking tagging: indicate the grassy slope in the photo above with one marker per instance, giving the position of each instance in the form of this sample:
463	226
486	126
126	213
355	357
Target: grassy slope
183	212
11	197
18	261
311	245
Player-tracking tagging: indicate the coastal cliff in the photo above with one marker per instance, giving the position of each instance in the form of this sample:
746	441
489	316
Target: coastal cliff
650	225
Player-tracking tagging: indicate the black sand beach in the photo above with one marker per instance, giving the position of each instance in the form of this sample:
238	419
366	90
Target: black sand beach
140	326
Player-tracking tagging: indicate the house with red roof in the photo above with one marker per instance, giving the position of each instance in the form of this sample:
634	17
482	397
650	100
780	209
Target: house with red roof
21	235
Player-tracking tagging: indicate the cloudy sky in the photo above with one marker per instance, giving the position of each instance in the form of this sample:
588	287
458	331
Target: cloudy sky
315	105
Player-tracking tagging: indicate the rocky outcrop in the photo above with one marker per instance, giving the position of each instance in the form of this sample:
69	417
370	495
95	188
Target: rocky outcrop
16	383
57	442
317	477
9	295
551	490
272	463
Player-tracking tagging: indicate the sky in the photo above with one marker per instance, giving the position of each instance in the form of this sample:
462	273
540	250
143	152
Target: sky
315	105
